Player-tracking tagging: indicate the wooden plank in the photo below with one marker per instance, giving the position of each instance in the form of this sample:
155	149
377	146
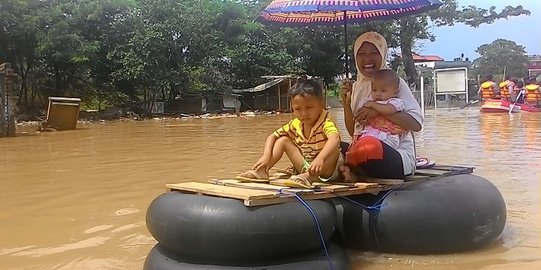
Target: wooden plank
64	99
385	181
412	178
331	187
454	168
451	167
279	175
355	184
315	196
223	191
432	172
445	171
258	186
254	194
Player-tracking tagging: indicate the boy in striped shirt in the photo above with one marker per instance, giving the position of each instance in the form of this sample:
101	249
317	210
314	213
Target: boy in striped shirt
311	140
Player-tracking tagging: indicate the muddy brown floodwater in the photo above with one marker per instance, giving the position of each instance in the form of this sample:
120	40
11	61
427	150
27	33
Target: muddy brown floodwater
77	199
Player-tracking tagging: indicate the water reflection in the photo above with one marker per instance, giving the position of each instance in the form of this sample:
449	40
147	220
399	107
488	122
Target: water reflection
77	199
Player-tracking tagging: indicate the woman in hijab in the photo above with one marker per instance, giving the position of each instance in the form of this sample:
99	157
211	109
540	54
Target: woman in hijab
379	159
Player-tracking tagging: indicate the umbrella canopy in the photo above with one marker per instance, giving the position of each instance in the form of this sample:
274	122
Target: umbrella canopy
333	12
329	12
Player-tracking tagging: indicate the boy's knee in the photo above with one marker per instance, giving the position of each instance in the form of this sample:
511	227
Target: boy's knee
282	141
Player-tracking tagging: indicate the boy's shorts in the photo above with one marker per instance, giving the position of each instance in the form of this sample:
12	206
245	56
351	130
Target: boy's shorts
334	175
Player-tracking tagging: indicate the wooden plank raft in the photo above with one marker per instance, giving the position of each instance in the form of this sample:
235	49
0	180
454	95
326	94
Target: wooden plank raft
256	194
444	170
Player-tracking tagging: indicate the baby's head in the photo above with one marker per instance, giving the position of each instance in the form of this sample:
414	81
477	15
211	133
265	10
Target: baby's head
385	85
307	100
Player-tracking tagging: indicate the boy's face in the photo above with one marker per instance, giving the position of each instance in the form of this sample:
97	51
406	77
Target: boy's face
383	90
307	108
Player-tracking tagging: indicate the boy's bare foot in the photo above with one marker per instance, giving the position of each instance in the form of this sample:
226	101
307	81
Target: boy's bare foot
349	176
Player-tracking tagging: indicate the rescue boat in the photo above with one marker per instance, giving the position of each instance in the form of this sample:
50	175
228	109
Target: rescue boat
504	106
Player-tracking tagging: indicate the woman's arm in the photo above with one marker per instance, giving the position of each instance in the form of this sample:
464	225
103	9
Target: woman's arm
349	119
381	108
345	94
404	120
401	119
411	118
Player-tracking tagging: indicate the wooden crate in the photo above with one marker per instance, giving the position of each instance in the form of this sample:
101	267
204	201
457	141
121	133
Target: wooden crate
63	113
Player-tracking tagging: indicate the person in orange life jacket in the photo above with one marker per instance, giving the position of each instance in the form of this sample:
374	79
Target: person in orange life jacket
507	89
488	88
533	92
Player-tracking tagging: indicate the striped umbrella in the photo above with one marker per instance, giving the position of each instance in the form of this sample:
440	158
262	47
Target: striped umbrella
335	12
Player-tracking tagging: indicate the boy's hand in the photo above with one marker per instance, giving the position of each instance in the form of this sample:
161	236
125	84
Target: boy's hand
315	167
262	163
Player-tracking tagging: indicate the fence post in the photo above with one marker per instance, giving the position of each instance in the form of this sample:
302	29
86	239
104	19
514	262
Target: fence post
7	101
423	94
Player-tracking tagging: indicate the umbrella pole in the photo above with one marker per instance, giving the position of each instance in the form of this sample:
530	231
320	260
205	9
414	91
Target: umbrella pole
346	43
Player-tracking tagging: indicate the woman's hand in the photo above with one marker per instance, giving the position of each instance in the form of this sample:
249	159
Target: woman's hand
364	114
345	91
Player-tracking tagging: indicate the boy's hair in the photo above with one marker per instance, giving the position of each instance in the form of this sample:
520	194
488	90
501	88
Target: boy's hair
305	87
388	75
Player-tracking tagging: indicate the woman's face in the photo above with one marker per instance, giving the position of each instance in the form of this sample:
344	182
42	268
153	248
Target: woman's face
368	59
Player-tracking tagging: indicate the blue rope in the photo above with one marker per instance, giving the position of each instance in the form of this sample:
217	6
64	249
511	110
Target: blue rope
371	209
316	220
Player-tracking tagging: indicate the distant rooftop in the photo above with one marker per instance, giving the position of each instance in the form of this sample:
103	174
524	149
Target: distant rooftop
452	64
424	58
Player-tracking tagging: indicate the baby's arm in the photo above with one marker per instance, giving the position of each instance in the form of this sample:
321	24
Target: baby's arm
392	106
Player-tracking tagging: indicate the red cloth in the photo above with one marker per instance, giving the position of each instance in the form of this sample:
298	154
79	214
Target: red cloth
364	149
386	126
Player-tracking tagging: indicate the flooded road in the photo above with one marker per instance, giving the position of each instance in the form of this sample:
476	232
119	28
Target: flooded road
77	199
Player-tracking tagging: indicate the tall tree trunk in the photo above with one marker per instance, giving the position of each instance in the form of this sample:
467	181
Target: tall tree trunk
406	45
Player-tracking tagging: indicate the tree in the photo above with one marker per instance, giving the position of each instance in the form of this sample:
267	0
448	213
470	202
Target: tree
498	55
413	28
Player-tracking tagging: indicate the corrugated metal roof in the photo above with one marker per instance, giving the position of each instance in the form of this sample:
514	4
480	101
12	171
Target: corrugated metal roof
259	88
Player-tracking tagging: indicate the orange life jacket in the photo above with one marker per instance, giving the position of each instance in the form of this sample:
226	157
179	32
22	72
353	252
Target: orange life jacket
532	93
504	90
487	90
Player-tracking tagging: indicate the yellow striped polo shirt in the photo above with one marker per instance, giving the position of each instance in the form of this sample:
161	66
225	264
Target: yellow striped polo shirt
311	146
